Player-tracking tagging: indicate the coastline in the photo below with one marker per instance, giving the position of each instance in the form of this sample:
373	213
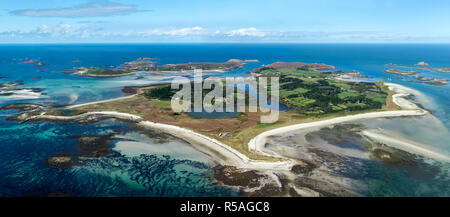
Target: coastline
408	109
131	90
257	143
236	158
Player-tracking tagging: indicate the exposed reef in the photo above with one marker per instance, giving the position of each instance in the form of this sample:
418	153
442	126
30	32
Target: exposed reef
11	84
22	107
400	72
432	81
88	146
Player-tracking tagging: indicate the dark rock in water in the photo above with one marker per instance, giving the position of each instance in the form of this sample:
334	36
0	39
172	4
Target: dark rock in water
140	77
305	168
94	146
234	177
90	147
36	90
22	107
61	161
36	77
393	157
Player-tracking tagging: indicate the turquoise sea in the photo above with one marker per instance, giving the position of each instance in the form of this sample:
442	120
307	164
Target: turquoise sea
141	165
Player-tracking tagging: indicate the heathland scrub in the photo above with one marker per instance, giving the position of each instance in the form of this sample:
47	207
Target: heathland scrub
242	147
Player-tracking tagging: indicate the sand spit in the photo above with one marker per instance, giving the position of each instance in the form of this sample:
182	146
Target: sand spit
234	157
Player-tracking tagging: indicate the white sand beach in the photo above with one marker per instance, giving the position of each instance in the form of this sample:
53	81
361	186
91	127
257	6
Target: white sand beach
257	143
234	157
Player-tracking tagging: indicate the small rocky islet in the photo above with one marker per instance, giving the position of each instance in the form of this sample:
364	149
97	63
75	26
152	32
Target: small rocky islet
412	71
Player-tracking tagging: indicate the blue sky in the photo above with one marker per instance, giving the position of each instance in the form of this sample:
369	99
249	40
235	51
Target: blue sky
94	21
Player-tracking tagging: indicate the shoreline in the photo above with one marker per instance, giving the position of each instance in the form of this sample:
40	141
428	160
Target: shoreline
238	159
234	157
409	109
257	143
131	90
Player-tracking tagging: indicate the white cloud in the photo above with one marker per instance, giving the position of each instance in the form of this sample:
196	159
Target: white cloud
77	32
57	31
93	9
180	32
247	32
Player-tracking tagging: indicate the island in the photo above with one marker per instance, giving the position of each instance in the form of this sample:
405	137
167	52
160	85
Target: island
147	65
313	97
432	81
400	72
435	81
445	70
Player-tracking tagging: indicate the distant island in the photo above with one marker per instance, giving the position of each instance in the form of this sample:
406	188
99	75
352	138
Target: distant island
432	81
435	81
400	72
445	70
148	66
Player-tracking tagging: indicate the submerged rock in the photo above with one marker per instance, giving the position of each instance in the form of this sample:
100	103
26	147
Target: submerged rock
232	176
89	147
61	161
304	168
22	107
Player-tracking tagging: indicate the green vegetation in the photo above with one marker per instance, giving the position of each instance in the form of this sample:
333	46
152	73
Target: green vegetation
400	72
161	104
144	65
310	93
313	92
105	72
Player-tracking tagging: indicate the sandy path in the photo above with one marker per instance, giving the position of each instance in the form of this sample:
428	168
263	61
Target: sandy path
103	101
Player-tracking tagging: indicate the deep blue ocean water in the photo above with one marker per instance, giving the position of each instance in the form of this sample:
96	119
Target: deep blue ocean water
26	146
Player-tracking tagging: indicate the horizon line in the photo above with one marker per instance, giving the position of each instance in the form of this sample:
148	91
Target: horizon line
219	42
